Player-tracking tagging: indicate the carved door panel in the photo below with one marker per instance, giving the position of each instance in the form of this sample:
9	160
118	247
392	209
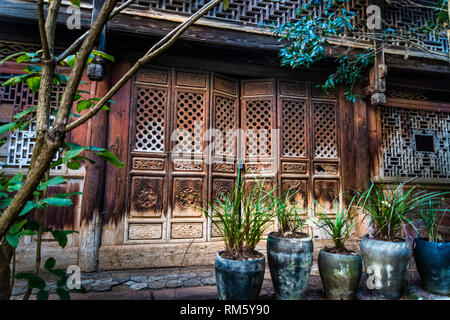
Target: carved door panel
295	142
149	156
188	176
259	136
325	167
224	138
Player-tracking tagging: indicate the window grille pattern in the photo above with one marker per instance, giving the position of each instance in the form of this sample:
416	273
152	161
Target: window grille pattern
224	122
325	130
21	144
400	157
151	106
259	12
258	125
294	122
190	112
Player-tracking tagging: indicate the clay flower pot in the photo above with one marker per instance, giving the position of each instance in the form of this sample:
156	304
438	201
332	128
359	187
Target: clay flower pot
290	262
239	279
340	274
386	264
433	264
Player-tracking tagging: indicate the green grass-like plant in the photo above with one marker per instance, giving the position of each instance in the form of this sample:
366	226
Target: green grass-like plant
242	216
287	213
339	227
391	208
431	221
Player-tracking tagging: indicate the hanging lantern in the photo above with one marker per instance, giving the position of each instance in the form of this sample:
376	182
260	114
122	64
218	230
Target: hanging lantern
95	70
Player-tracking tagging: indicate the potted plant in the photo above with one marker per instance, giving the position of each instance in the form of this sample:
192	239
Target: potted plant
289	252
340	268
386	255
432	254
241	217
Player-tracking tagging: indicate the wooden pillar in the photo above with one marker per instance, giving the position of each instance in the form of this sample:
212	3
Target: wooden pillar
116	178
94	185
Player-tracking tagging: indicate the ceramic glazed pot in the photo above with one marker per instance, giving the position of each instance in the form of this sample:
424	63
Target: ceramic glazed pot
290	262
239	280
386	264
433	264
340	274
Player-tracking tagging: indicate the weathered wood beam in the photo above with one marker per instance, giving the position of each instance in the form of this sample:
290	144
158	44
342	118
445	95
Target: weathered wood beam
94	180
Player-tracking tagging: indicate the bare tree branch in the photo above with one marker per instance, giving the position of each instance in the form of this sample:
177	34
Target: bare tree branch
42	33
47	33
77	43
159	47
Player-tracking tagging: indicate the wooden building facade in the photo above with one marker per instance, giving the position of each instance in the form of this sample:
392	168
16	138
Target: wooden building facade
224	74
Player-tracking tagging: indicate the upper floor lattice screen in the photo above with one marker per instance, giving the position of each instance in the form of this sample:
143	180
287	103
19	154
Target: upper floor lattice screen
259	12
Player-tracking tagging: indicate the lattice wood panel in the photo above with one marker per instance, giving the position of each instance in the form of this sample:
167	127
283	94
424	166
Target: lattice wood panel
225	123
294	128
263	12
21	144
258	125
150	118
325	142
400	156
190	113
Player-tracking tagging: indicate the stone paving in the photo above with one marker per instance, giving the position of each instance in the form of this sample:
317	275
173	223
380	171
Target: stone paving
193	283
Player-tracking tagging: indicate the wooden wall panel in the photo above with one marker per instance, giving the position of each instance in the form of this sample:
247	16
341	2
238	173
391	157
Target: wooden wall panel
115	181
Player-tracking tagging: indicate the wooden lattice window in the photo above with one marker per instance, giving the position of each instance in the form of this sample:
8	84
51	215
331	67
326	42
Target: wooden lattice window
258	125
151	105
325	130
225	121
190	112
400	130
21	143
294	124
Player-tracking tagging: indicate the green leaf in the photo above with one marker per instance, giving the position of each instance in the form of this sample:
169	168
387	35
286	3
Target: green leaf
52	182
74	151
7	127
60	237
34	83
24	113
62	282
57	202
15	228
27	233
111	158
12	56
24	276
62	294
36	282
13	239
59	273
75	2
73	165
226	4
42	295
50	263
5	202
83	105
70	60
103	55
30	205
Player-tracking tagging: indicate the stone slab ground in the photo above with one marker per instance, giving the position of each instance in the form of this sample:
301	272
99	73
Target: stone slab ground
193	283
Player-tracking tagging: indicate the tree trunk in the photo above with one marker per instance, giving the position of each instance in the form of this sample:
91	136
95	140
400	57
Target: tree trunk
94	185
6	252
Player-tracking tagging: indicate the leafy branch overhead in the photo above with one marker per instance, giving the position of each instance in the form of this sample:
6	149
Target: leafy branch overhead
320	21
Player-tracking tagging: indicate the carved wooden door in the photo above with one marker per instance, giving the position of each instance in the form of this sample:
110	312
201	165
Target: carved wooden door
168	174
259	136
224	138
308	148
288	134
